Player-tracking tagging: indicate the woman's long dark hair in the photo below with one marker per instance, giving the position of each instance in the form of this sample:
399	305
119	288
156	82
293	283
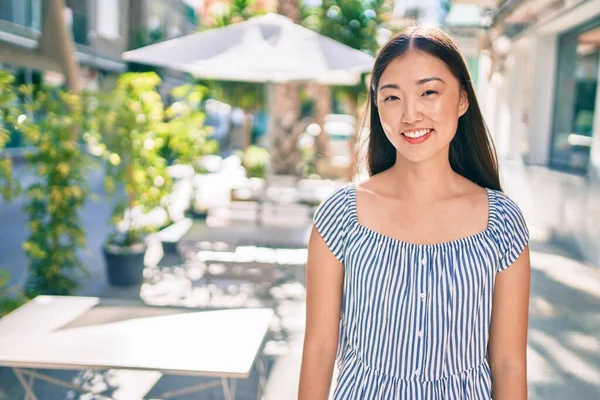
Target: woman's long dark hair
472	152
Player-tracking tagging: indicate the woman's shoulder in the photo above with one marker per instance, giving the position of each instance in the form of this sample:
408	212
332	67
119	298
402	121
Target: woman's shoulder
503	202
508	215
512	232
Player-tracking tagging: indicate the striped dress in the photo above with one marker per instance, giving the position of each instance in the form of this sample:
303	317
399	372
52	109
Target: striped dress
416	318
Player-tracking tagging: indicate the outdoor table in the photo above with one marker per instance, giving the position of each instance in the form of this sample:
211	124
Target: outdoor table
260	261
79	333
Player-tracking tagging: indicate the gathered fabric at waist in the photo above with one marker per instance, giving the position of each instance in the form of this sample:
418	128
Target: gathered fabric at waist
357	380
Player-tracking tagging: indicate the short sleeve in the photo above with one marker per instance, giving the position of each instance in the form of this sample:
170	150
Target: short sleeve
330	220
514	233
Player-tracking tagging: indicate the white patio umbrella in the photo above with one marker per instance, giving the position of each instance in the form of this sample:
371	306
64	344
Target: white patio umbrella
270	48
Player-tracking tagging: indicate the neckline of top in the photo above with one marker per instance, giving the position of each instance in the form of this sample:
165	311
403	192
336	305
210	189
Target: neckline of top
455	242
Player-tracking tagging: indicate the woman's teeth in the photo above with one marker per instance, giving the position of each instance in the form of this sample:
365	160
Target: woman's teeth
417	134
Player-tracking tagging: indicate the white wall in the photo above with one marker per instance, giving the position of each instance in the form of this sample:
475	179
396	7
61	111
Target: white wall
521	117
543	63
567	207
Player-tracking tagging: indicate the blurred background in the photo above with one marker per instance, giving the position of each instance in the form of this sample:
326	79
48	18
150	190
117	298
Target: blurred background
163	158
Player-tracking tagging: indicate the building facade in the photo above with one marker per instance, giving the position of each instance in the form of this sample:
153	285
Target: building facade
542	104
101	30
98	29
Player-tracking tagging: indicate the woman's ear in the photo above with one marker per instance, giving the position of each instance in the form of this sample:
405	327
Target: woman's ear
463	104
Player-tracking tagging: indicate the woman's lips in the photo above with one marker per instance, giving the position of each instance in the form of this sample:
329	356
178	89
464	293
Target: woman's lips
419	139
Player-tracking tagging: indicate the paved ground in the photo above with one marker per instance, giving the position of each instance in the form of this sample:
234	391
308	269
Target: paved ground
564	340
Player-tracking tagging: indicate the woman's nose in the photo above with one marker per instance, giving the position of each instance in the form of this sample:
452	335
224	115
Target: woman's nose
411	112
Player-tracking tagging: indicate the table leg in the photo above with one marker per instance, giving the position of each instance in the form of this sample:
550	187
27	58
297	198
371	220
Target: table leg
31	381
262	379
228	393
233	387
29	394
55	381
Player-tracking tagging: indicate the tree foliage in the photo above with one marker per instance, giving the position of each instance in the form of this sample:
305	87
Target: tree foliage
238	10
355	23
10	299
130	122
8	117
56	197
186	135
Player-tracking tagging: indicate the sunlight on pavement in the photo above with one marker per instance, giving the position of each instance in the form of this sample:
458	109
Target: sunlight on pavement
564	359
584	342
541	307
574	274
539	371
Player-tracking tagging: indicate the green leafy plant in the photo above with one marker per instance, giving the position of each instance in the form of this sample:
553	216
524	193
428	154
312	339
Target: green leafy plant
8	117
10	299
185	133
255	160
354	23
58	194
239	10
130	122
249	96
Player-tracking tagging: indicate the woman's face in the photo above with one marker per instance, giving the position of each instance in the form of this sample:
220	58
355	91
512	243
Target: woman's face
419	103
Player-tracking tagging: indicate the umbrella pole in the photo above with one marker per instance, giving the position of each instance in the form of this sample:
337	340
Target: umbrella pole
268	92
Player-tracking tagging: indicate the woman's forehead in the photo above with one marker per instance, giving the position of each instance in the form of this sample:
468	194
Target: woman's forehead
412	68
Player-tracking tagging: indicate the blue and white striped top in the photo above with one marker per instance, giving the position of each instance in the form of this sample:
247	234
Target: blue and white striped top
415	318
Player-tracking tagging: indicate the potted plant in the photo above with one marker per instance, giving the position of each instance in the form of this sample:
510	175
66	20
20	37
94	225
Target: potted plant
53	128
130	121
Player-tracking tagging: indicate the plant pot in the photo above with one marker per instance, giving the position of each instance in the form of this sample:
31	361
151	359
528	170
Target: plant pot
125	265
197	214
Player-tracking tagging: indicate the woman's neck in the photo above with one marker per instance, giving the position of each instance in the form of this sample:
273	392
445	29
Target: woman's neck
423	181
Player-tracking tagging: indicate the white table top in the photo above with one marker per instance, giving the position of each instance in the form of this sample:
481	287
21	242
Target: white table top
57	332
252	254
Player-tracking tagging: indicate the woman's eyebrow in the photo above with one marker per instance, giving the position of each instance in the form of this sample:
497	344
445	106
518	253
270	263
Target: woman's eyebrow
389	86
419	82
433	78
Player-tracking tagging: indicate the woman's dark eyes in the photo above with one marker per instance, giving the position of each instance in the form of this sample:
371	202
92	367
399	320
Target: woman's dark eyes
426	93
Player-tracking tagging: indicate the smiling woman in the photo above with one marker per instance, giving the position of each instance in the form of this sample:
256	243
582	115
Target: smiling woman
406	282
445	97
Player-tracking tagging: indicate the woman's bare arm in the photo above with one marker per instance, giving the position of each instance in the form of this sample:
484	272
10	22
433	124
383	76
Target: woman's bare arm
324	283
508	330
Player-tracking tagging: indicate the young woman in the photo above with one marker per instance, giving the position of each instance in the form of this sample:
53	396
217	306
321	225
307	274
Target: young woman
418	278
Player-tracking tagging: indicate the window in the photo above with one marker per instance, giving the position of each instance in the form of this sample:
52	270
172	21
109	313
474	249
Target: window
22	12
575	100
107	21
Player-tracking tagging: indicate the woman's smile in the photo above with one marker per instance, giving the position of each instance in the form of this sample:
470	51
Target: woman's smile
417	135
